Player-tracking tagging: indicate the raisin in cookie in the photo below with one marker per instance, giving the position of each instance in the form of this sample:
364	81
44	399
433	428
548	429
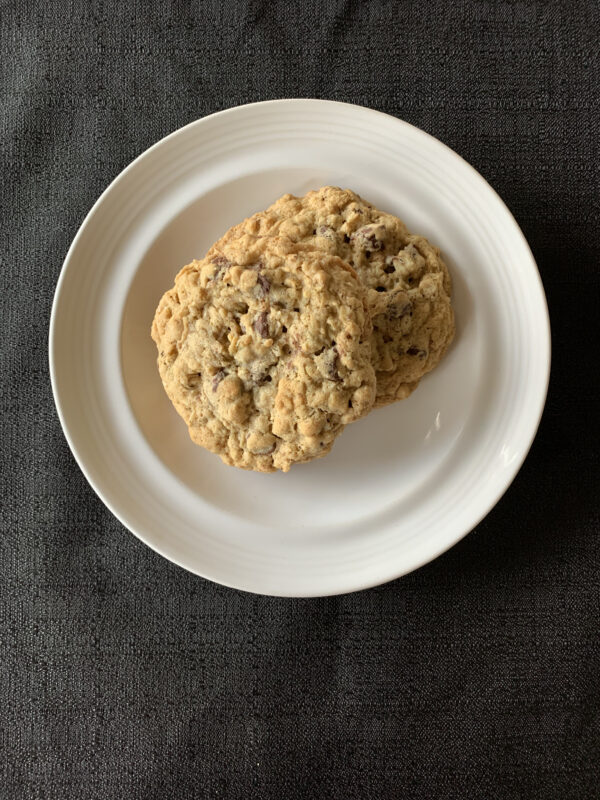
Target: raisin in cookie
408	285
264	350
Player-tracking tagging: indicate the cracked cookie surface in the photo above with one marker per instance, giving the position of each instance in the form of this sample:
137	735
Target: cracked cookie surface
265	351
408	285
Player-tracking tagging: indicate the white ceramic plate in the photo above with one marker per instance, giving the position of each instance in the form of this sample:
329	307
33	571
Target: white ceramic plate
401	486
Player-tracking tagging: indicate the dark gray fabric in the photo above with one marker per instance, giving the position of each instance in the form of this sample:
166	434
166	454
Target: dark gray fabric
122	676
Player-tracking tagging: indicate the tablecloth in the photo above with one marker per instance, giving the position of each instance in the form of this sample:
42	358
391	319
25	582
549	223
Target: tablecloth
123	676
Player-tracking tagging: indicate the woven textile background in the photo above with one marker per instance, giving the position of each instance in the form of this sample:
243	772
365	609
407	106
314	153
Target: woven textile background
122	676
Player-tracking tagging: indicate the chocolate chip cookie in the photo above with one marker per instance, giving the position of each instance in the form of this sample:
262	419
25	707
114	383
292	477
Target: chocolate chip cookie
265	351
408	285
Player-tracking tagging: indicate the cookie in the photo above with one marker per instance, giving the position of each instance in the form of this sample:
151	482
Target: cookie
408	285
264	350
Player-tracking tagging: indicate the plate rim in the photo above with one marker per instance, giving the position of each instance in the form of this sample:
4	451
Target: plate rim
387	575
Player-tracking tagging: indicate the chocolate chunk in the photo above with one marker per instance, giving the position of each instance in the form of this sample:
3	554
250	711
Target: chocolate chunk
380	289
366	238
332	366
399	308
264	284
221	263
389	269
261	325
259	374
217	379
416	351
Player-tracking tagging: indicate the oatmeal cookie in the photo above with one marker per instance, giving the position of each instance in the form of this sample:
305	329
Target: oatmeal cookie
264	350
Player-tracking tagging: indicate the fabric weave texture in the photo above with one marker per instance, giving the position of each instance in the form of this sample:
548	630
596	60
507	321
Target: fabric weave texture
122	676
